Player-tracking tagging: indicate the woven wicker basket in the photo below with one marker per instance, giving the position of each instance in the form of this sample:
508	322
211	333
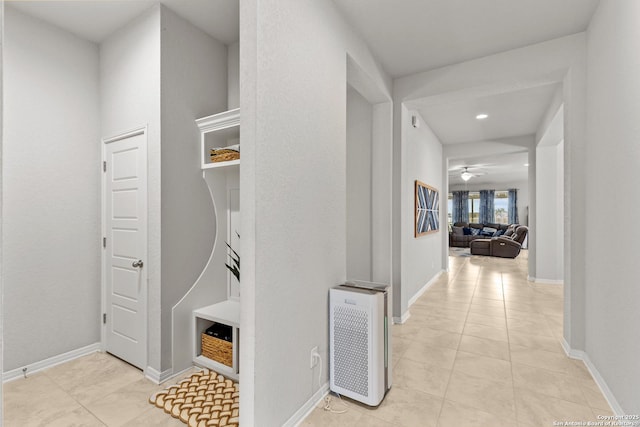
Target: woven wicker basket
216	349
224	155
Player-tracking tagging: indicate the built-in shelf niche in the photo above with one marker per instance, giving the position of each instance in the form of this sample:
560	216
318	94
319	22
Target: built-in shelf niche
218	131
227	313
223	179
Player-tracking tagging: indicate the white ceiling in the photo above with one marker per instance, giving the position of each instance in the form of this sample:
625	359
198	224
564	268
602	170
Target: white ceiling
96	19
410	36
505	168
407	36
510	114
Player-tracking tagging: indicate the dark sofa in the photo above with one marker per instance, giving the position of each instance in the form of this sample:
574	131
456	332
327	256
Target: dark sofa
507	246
463	233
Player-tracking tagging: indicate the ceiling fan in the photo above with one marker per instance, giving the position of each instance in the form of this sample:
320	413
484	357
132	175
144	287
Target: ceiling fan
464	172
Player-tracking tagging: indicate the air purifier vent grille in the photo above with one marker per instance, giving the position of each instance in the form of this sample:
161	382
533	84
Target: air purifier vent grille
351	349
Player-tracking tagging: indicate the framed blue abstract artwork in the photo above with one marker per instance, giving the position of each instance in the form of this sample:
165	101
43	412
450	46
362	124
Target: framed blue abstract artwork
427	209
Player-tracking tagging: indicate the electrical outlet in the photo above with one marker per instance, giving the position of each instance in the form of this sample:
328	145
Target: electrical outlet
314	357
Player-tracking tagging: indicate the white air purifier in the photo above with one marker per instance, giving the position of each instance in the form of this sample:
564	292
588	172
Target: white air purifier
360	349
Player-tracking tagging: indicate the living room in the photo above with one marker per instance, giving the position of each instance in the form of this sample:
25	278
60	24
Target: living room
492	191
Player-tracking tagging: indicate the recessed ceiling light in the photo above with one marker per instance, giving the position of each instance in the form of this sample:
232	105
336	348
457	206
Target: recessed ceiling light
482	116
526	164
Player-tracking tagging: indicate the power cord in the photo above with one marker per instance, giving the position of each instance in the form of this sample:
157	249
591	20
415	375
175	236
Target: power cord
327	405
327	399
319	359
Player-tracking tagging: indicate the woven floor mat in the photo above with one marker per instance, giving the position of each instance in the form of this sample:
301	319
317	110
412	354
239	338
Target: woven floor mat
204	399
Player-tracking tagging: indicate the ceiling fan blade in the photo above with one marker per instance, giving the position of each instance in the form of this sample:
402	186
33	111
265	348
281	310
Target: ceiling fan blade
469	168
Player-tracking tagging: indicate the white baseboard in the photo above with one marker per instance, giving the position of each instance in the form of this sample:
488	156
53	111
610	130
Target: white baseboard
181	373
156	376
422	290
602	384
545	281
571	353
403	319
405	316
50	362
306	409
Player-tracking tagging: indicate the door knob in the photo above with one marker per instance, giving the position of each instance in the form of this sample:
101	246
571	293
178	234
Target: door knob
137	263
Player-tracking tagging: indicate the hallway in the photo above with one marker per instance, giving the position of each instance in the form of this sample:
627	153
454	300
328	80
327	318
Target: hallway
481	348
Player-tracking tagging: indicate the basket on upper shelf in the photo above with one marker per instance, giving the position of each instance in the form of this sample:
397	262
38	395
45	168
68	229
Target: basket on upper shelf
223	155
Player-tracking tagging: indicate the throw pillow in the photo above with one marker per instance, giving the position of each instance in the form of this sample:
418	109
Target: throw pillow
499	233
486	233
458	231
489	230
466	231
475	231
509	232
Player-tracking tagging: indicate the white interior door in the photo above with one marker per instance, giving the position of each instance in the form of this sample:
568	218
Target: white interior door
125	247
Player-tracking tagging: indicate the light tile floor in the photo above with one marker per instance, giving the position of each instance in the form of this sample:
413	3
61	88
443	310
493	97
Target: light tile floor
94	390
481	348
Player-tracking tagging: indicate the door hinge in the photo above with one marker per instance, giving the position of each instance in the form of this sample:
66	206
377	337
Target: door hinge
104	166
104	318
104	242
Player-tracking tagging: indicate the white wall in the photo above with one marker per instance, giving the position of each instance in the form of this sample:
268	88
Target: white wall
380	176
359	186
559	237
531	211
612	157
193	85
574	88
551	128
549	213
381	197
293	177
546	261
130	99
422	160
51	202
1	202
233	75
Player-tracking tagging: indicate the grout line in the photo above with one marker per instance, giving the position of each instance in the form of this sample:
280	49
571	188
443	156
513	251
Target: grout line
513	383
68	394
83	406
95	416
446	389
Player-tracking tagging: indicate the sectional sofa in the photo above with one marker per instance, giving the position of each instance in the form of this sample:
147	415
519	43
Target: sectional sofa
503	246
463	233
